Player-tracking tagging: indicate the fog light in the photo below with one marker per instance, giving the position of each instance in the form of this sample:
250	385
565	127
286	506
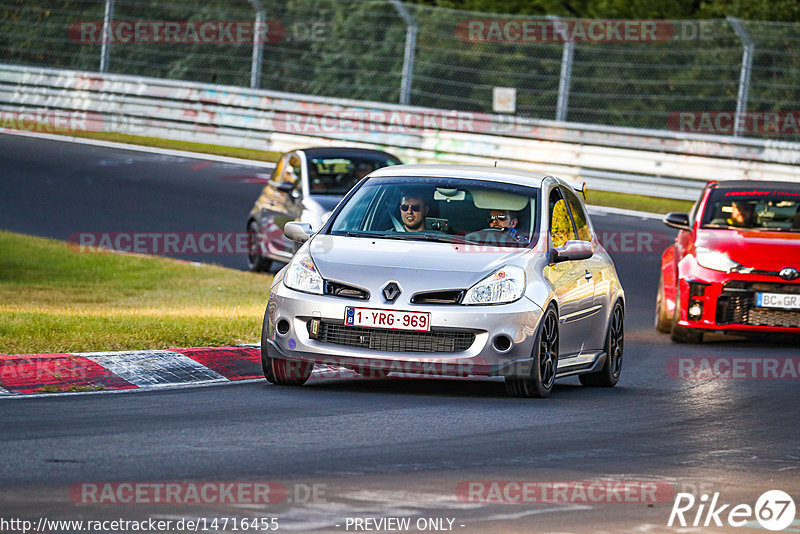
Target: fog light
283	326
501	343
695	311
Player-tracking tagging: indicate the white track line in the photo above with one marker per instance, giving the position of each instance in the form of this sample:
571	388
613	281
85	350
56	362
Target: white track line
603	210
148	149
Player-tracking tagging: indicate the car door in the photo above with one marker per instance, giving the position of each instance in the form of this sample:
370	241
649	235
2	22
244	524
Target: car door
281	202
597	270
574	290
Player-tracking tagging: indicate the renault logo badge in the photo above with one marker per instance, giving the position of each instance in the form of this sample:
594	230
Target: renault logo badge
789	273
391	291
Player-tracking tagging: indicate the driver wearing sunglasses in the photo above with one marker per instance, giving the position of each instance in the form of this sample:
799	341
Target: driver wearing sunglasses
413	211
505	221
501	219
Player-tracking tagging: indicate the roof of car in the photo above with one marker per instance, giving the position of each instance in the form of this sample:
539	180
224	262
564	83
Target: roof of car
339	151
749	184
494	174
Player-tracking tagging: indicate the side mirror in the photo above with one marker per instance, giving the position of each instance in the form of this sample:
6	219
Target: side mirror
679	221
297	231
572	251
286	187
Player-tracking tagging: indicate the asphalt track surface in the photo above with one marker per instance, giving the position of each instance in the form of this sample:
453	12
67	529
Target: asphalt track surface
376	448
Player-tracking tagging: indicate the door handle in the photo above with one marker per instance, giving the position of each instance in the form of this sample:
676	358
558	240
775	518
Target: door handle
588	275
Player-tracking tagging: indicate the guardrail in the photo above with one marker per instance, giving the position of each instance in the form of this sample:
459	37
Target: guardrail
650	162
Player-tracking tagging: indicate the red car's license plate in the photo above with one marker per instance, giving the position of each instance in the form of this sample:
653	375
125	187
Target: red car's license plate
778	300
394	319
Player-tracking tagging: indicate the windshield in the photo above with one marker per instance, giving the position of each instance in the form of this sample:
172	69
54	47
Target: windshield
768	210
336	176
450	210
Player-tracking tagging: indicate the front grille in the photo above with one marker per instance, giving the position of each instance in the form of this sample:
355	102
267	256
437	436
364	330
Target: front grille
438	297
343	290
393	340
736	305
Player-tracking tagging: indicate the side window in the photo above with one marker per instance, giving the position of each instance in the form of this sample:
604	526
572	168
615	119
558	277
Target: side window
290	173
276	174
561	229
578	215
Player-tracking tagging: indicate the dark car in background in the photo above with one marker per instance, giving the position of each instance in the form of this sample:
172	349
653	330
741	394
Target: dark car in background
735	264
305	185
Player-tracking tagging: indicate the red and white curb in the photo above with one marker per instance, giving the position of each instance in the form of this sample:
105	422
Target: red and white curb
25	374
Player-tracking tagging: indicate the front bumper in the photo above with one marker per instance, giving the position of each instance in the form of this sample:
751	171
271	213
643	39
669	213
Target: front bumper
481	326
727	302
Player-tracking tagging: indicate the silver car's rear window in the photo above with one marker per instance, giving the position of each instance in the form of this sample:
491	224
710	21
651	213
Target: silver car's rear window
441	209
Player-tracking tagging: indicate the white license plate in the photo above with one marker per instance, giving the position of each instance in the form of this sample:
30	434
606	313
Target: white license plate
396	320
778	300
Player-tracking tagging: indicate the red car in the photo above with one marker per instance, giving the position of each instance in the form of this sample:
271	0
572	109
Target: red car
735	264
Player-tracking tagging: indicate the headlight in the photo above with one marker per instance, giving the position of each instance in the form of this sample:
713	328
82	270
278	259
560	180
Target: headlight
505	285
301	275
715	260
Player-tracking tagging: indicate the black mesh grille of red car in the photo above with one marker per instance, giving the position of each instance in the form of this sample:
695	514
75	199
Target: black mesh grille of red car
394	340
736	305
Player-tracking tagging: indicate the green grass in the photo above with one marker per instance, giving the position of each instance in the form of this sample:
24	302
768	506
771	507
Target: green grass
54	298
637	202
219	150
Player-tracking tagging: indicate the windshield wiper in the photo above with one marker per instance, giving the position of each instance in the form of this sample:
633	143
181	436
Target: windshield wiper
425	236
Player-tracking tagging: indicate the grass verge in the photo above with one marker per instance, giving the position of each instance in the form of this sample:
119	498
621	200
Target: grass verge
56	299
637	202
219	150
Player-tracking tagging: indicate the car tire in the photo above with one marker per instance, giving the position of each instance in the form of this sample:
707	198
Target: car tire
255	261
682	334
663	320
608	376
282	372
544	356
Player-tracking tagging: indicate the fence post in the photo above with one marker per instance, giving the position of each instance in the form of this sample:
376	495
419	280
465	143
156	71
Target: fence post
744	75
108	31
408	55
565	81
258	51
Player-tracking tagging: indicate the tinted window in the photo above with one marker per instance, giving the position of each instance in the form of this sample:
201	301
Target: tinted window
755	209
337	175
442	209
578	216
561	229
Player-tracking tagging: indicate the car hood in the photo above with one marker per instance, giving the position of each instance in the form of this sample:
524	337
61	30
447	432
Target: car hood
416	265
770	251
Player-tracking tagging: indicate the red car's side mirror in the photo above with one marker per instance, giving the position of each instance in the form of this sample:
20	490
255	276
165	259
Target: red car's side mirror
679	221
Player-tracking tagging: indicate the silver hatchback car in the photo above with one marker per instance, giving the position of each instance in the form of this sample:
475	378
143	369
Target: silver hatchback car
445	270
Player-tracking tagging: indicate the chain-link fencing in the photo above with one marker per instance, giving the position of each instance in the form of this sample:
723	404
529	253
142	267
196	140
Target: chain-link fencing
681	75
